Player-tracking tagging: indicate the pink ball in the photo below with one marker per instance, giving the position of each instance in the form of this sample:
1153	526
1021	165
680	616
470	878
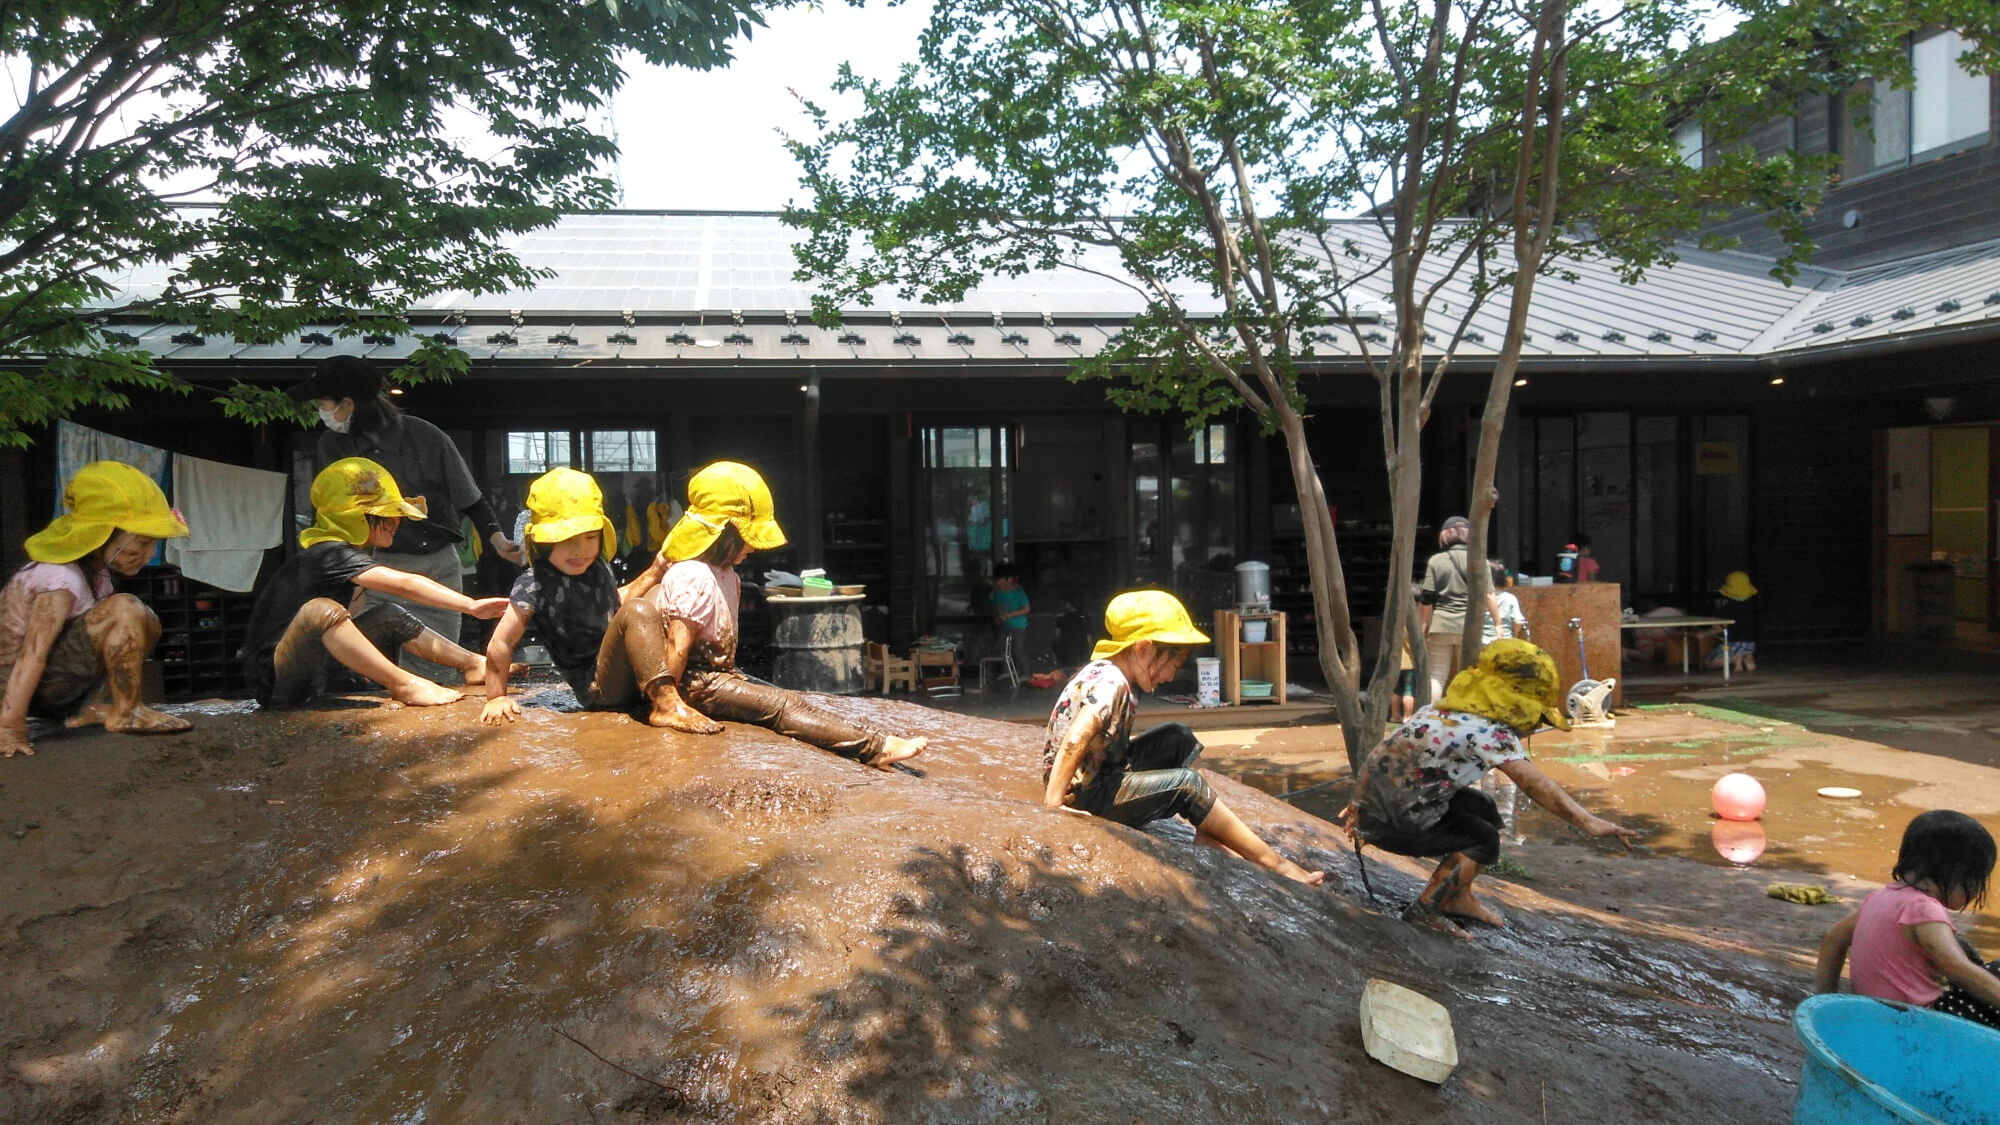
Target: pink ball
1737	796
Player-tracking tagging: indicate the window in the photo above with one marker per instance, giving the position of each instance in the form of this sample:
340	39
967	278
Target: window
624	451
1211	444
537	451
1687	139
1947	108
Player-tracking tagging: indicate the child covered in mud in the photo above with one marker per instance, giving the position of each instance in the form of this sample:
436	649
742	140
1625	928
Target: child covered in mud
301	617
70	648
1091	763
608	641
1901	943
729	514
1414	794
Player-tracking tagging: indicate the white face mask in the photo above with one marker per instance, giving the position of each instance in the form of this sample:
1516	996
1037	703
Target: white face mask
337	425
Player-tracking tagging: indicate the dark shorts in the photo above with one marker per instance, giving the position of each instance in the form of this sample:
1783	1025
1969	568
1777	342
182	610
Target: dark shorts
1958	1002
1470	827
1406	682
297	670
1159	781
72	672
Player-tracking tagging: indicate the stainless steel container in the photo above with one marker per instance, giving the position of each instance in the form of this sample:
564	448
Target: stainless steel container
1253	585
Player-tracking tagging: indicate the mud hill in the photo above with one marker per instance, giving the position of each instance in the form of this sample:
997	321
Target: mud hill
378	914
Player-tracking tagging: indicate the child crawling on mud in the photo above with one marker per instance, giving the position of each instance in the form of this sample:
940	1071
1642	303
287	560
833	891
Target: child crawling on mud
608	641
1414	795
70	648
729	514
301	617
1092	764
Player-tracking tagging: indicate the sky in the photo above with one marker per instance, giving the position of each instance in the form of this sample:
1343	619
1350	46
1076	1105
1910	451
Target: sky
710	140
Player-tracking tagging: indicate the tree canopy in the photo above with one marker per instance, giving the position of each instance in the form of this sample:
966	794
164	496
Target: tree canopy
353	156
1208	143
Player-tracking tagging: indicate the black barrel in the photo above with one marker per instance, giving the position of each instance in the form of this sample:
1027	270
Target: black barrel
816	643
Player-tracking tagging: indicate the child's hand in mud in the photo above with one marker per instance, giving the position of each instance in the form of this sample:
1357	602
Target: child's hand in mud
14	740
1599	826
486	609
500	710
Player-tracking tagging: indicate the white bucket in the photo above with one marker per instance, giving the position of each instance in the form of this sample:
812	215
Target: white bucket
1208	680
1254	632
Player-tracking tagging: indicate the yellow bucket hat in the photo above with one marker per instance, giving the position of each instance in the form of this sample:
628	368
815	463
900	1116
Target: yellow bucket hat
1737	587
1146	615
346	493
565	503
103	497
725	493
1514	683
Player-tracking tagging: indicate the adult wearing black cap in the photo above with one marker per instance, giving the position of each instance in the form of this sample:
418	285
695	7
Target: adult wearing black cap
362	421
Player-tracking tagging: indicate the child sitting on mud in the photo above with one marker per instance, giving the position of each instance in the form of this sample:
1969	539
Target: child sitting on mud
729	514
1414	795
1090	761
1901	944
608	642
301	616
70	648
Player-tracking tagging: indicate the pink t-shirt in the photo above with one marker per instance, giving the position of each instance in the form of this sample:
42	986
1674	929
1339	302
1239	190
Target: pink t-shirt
1885	960
17	601
705	597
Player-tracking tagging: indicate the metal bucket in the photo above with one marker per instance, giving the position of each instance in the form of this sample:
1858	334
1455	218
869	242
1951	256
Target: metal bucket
1253	584
818	644
1870	1062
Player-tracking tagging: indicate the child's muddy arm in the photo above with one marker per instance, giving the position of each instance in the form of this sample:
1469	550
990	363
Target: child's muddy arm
45	621
417	588
1833	955
1940	945
1082	731
500	661
646	581
1543	790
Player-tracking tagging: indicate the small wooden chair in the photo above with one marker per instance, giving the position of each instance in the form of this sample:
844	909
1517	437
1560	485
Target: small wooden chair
881	667
937	671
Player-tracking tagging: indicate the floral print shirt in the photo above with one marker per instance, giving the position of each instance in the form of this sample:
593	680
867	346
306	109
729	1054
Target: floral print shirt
1099	698
1409	779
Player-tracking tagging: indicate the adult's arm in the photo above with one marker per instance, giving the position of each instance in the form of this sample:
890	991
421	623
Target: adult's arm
46	615
1543	790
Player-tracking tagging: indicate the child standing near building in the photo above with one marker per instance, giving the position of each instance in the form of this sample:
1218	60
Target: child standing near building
1093	764
70	648
729	514
608	642
1502	607
1901	944
301	617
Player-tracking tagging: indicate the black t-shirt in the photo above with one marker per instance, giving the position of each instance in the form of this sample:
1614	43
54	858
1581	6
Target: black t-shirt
323	570
1744	613
570	616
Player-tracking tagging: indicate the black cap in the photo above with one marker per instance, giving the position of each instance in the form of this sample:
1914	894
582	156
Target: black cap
338	377
1456	521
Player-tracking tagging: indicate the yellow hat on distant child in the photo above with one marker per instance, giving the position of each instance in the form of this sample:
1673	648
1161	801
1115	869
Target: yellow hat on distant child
1514	683
346	493
721	494
1146	615
103	497
1737	587
565	503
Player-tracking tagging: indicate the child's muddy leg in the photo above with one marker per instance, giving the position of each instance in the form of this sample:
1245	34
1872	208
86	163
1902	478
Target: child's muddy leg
123	630
663	682
432	646
362	645
1224	829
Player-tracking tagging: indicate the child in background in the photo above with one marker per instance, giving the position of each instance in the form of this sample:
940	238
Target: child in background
1090	761
1736	599
1902	945
301	616
729	514
66	641
1010	611
1503	607
608	642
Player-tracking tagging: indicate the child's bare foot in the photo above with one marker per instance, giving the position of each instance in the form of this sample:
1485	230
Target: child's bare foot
1421	913
88	715
144	720
898	749
419	692
1296	873
1465	908
677	715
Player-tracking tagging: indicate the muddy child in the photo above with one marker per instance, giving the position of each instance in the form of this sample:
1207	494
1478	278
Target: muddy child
302	617
70	648
608	641
1414	795
1092	763
729	514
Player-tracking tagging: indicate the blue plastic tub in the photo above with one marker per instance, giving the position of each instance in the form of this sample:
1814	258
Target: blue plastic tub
1869	1062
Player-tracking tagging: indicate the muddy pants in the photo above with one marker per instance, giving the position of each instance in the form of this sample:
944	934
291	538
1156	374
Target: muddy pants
631	659
740	699
298	668
1159	781
1470	827
73	670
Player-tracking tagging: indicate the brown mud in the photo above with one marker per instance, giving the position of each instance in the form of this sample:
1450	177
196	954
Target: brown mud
374	913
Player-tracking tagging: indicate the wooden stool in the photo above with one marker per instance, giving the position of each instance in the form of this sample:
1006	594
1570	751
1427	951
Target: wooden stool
885	669
937	670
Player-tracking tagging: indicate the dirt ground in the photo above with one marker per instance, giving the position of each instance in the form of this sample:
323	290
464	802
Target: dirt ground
379	914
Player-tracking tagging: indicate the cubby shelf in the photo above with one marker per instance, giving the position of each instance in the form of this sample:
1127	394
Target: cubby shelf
202	633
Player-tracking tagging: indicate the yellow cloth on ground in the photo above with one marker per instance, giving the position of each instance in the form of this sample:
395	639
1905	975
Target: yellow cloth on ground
1805	894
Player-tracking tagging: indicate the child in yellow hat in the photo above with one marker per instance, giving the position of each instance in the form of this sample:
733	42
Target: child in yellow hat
302	617
608	642
1735	599
1414	795
1090	761
70	648
730	514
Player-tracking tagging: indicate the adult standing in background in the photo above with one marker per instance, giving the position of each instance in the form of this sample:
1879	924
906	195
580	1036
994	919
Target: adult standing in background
362	421
1441	602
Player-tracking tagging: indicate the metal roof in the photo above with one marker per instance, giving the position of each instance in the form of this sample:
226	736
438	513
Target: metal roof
708	290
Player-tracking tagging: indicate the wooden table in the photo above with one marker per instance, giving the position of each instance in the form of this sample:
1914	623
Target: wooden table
1686	625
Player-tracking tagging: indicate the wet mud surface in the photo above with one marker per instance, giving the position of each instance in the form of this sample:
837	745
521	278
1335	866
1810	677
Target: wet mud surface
379	914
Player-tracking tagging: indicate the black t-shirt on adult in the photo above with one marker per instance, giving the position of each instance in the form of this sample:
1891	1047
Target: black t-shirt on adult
570	615
323	570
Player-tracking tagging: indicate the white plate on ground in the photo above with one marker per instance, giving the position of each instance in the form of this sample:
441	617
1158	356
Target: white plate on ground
1840	792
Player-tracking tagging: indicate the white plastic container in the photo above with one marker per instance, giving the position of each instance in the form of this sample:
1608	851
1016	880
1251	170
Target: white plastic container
1408	1031
1254	632
1208	680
